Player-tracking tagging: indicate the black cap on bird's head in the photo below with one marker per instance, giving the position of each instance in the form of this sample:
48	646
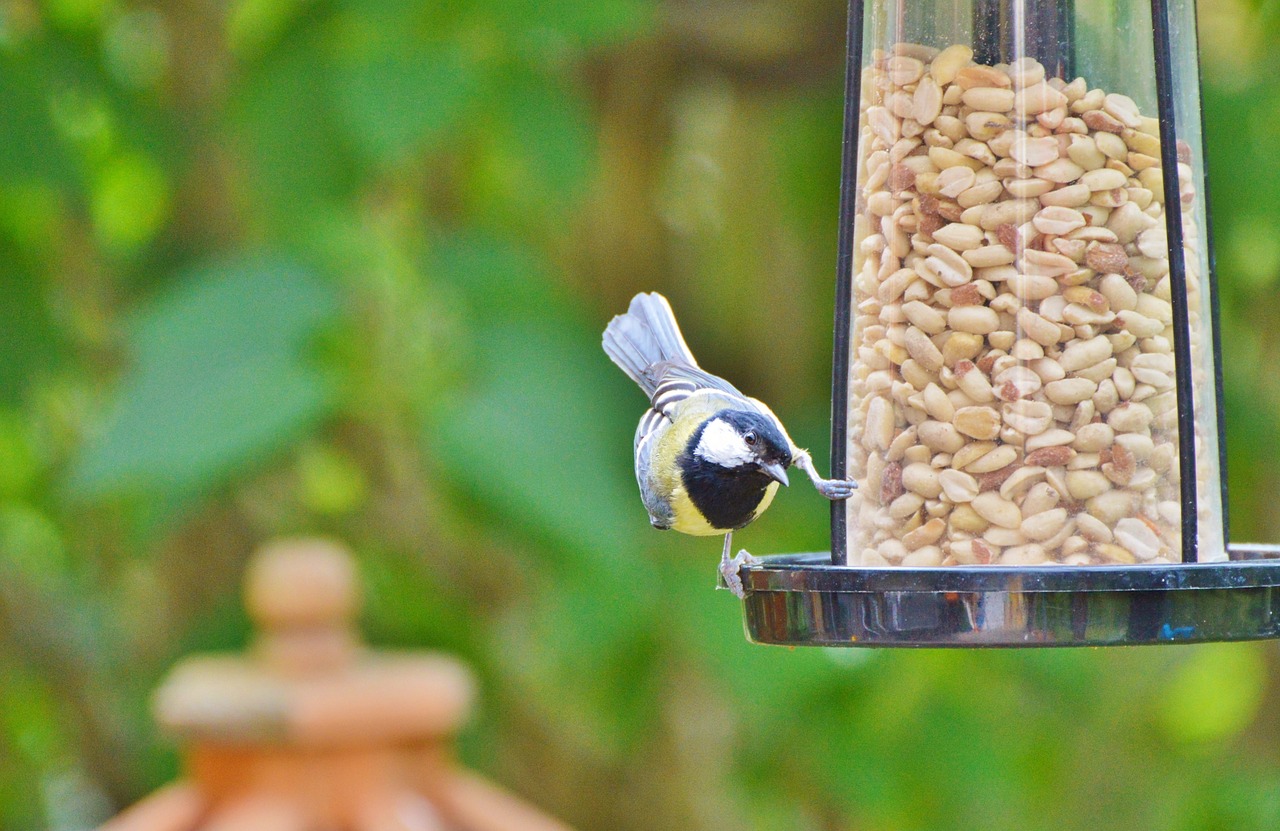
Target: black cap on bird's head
741	440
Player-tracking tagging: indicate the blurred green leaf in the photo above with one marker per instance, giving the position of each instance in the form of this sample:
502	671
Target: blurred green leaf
29	212
30	342
253	24
19	462
395	102
584	24
552	130
78	14
283	115
588	621
131	201
525	438
30	715
219	379
136	48
1254	257
31	147
32	545
498	280
1215	693
330	481
395	614
576	469
541	149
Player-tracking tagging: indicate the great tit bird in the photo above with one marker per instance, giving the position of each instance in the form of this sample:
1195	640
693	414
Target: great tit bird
708	458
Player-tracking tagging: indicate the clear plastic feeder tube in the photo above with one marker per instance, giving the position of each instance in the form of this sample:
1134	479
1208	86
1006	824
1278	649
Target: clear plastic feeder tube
1026	336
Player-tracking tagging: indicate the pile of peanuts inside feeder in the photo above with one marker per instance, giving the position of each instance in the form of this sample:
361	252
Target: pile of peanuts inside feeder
1012	385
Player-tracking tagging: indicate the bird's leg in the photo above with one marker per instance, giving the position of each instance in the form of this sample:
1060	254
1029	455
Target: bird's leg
729	568
830	488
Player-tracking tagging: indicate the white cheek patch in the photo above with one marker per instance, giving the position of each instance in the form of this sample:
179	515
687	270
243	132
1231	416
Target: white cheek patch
722	445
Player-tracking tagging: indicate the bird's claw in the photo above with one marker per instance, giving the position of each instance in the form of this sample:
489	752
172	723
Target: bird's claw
729	570
833	489
836	489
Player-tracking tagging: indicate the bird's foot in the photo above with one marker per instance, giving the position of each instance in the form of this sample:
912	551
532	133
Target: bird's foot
835	489
832	489
729	570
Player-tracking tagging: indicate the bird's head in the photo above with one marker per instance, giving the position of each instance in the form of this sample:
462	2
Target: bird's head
744	441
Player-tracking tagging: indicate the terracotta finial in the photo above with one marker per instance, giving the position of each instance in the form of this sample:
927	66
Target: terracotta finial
303	595
313	731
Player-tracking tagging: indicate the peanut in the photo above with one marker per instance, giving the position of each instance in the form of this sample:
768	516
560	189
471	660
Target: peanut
1013	389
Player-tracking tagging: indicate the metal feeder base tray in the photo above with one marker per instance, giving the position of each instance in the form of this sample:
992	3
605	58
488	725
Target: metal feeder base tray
803	600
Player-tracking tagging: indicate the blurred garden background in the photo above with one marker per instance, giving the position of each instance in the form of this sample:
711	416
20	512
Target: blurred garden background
340	266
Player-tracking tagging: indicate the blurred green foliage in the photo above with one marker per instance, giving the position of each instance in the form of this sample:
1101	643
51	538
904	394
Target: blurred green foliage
340	266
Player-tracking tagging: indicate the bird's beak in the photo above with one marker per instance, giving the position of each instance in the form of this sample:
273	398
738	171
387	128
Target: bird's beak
776	472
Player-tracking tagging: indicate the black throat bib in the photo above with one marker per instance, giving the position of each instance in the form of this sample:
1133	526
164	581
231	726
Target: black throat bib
727	497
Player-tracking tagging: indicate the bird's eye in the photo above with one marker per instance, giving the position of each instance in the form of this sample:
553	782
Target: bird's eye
750	439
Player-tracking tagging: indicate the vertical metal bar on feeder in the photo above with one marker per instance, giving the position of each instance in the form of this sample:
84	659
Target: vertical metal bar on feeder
1005	30
844	275
1216	312
1177	278
1214	309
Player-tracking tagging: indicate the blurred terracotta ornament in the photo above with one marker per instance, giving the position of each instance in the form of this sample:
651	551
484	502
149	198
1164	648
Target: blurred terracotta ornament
311	731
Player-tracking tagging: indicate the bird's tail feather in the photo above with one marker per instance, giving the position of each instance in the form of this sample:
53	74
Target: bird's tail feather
646	335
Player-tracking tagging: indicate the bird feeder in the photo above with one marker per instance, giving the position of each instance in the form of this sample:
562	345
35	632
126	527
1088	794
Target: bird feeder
314	732
1027	377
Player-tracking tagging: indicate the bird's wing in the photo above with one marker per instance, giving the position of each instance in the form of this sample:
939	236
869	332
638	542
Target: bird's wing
648	432
675	382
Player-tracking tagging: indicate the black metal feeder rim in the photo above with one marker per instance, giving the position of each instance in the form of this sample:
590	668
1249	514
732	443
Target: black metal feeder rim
813	572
